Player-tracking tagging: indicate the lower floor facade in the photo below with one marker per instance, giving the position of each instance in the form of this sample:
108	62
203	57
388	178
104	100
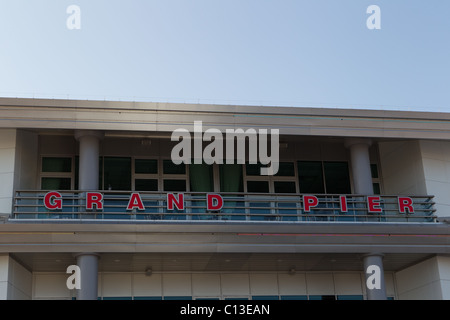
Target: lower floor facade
118	278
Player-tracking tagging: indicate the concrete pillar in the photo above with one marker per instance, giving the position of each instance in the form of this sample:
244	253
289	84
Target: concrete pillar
89	158
88	263
360	164
374	275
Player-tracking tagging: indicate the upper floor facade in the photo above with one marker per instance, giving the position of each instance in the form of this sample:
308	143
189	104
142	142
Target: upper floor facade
332	165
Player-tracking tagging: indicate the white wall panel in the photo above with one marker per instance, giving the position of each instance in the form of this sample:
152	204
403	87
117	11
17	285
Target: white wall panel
7	161
147	286
235	284
389	280
4	269
177	285
3	290
53	286
348	284
320	283
206	285
21	281
7	138
402	168
48	286
27	160
263	284
292	284
436	164
116	285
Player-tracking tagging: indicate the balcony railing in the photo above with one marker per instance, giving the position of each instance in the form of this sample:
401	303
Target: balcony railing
236	207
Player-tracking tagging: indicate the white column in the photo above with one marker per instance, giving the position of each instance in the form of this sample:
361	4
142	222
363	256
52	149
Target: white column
88	263
360	164
374	272
89	158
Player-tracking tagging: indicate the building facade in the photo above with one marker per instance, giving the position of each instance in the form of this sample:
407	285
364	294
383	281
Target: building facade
94	184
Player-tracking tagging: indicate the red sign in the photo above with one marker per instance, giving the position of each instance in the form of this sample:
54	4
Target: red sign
215	202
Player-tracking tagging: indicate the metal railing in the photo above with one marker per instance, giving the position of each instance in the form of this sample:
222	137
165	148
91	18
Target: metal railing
236	207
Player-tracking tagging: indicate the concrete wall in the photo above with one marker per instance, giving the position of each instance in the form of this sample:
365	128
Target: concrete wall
15	280
436	166
402	168
26	160
211	285
418	167
7	162
428	280
18	164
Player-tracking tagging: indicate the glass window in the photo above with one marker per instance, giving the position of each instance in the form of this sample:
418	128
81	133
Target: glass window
253	169
374	170
300	297
324	297
258	186
350	297
146	166
286	169
231	178
337	178
55	183
265	298
170	168
175	185
51	164
375	179
146	184
117	173
284	186
201	177
310	176
376	188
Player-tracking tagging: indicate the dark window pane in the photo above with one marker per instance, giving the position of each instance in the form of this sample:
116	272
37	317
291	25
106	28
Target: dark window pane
294	297
253	169
310	177
201	177
265	298
77	173
175	185
337	178
286	169
146	184
149	166
56	164
350	297
258	186
231	178
284	186
374	170
170	168
376	188
55	184
324	297
117	173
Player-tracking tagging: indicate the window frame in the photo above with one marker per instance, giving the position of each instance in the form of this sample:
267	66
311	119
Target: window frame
70	175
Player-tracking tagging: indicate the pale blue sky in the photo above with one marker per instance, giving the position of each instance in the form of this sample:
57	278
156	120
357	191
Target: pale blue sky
257	52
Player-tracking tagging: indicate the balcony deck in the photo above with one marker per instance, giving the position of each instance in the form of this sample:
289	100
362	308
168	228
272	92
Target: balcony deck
240	207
